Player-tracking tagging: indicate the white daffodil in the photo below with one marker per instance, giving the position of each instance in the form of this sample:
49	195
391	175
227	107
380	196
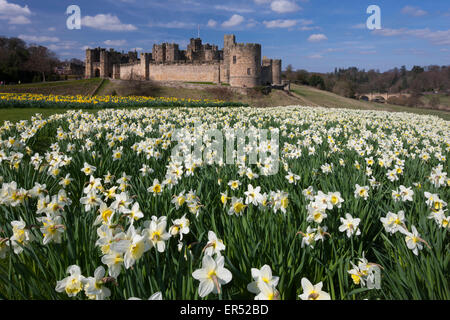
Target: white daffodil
133	214
267	292
212	275
179	200
361	192
157	234
88	169
180	226
21	236
413	240
94	287
263	275
133	248
214	245
156	188
73	284
114	260
350	225
234	184
393	222
52	228
253	195
313	292
237	206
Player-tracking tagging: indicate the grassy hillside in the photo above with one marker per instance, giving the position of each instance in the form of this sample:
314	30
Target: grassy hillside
300	95
314	97
72	87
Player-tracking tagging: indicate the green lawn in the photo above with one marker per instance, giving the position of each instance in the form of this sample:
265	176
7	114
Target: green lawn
72	87
315	97
15	115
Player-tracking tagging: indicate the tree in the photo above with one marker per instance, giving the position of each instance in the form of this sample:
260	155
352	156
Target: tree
41	60
289	72
317	81
302	76
344	88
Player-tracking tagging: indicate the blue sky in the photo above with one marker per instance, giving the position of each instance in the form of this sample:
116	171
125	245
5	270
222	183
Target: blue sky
315	35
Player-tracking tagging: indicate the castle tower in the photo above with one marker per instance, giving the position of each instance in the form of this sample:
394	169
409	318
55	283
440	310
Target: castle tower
159	53
172	52
266	71
229	41
104	64
116	71
145	65
245	65
276	71
89	61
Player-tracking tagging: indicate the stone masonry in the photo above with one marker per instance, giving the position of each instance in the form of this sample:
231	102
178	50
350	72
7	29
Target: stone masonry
238	64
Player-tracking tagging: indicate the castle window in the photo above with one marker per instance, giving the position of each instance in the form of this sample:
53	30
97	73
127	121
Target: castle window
234	59
249	71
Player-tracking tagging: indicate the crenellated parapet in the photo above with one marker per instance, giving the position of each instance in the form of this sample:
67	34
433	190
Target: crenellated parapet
238	64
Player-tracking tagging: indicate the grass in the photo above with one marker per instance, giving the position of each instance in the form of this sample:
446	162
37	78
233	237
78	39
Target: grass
72	87
15	115
209	83
99	91
315	97
444	100
302	95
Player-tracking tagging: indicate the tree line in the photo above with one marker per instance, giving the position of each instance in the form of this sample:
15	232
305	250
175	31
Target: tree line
22	63
353	81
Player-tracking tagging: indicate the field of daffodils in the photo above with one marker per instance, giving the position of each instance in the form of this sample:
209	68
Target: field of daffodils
349	205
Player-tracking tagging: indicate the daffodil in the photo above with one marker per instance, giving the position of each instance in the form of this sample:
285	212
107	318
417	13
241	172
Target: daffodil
212	276
313	292
350	225
73	284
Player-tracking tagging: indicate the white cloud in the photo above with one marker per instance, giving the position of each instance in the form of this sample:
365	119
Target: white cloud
317	37
38	39
232	9
173	25
14	13
413	11
212	23
115	43
440	37
252	23
306	28
234	21
19	20
106	22
51	29
305	22
359	26
280	23
315	56
284	6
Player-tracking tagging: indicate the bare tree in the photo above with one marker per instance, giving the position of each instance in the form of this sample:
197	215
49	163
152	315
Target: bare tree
41	60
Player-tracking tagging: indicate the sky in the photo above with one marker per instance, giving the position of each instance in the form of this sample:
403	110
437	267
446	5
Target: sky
315	35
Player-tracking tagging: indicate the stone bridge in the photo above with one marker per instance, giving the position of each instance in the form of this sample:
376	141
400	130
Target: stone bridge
373	95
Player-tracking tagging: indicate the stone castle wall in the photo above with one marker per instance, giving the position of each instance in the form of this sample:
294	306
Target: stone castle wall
131	71
208	72
238	64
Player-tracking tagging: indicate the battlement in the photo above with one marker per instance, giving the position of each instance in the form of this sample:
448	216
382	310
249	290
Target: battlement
247	45
238	64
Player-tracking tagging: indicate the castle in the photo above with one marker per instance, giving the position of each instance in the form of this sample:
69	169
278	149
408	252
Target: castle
238	64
